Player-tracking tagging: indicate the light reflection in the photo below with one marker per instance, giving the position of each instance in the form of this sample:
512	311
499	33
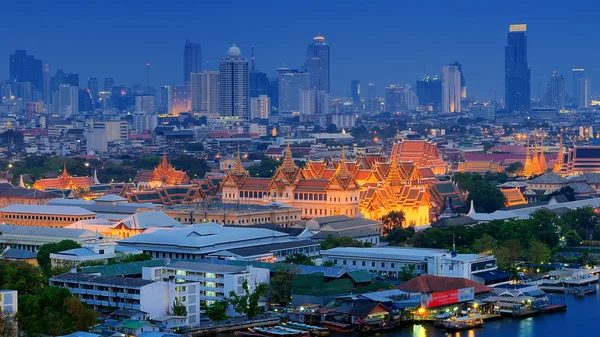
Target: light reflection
419	331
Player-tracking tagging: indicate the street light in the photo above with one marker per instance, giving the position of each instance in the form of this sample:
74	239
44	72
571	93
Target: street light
9	165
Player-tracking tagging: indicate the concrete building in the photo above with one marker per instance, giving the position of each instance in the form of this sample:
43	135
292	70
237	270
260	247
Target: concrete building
94	251
485	111
314	103
234	85
259	129
260	107
66	101
205	92
115	130
145	103
389	261
96	141
110	207
10	195
43	215
451	89
9	302
176	99
291	81
144	121
317	64
31	238
365	230
192	60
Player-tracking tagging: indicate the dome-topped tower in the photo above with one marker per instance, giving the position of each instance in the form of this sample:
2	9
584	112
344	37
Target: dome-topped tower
234	52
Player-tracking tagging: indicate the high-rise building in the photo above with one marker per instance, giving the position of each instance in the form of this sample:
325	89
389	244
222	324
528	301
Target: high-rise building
47	89
314	103
72	80
317	64
260	107
144	121
26	68
57	80
355	92
176	99
93	87
259	82
85	101
234	85
372	103
580	91
192	60
145	103
463	83
109	82
291	81
274	88
205	92
451	90
393	98
517	74
555	92
66	102
429	93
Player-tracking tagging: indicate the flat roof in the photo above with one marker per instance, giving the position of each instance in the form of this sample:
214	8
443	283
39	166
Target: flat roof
43	231
46	209
384	253
108	280
204	267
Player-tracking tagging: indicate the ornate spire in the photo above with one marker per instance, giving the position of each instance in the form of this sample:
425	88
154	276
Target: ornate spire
64	172
164	163
543	166
342	169
393	175
560	157
527	171
96	181
288	161
21	183
535	161
237	167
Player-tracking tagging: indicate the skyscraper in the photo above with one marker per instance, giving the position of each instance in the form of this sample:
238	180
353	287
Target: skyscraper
313	104
580	89
393	98
463	83
451	90
260	107
372	102
85	101
555	92
291	81
93	87
109	82
234	85
205	92
517	74
177	99
429	93
71	79
584	92
355	92
66	102
26	68
192	60
46	92
317	64
259	82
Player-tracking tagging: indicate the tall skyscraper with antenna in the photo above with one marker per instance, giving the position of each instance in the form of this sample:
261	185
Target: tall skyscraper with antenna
317	64
192	60
259	82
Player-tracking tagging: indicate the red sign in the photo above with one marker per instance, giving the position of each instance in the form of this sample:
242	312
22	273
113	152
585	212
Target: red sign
447	297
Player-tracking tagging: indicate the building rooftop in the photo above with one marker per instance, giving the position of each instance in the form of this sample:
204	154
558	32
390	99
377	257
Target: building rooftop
45	231
123	269
384	253
46	209
108	280
203	267
145	220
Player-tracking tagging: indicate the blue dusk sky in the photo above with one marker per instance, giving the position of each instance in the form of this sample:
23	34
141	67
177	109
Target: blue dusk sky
384	42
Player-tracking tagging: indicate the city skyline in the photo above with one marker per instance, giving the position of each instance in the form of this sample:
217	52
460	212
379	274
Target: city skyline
554	45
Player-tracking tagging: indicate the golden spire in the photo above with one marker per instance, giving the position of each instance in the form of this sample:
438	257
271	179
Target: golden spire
288	161
527	171
342	169
535	161
237	167
543	165
560	157
164	163
64	172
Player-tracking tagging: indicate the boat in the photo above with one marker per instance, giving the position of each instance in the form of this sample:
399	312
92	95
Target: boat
278	331
337	327
313	330
373	325
462	323
248	334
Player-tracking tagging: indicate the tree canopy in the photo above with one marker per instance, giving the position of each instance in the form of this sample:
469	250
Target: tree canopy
43	255
299	258
342	241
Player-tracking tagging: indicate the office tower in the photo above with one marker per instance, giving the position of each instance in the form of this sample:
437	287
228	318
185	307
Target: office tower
274	86
392	98
259	82
555	92
57	80
192	60
372	90
429	93
578	73
47	89
314	103
72	80
205	92
109	82
177	99
483	110
234	85
145	103
143	121
372	102
451	91
410	96
355	92
463	83
260	107
66	102
93	87
291	81
26	68
584	92
317	64
517	74
85	101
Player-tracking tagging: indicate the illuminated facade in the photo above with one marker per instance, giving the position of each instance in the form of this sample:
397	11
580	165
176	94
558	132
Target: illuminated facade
370	186
65	181
163	175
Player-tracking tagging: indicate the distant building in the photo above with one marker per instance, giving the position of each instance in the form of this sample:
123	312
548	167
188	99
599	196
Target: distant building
31	238
234	85
142	121
463	83
64	181
355	92
43	215
580	89
485	111
314	103
192	60
66	101
177	99
451	89
9	302
555	92
93	88
429	93
260	107
109	83
517	74
115	130
25	68
145	103
317	64
291	81
205	92
547	113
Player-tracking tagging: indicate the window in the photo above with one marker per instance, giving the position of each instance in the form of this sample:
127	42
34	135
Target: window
393	265
344	262
364	263
354	263
335	261
372	264
382	264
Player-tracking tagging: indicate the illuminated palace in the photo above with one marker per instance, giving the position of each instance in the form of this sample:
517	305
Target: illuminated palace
371	186
65	181
535	163
577	160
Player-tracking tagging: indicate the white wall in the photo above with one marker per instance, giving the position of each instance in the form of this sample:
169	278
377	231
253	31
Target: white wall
154	299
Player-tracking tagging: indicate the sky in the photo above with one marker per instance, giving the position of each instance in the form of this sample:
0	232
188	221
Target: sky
385	42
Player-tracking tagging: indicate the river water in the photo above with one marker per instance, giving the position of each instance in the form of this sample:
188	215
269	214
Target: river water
582	318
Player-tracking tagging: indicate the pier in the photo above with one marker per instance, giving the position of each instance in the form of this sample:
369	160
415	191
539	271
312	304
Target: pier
215	328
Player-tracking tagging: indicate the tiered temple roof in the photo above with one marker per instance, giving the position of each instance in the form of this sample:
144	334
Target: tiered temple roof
64	181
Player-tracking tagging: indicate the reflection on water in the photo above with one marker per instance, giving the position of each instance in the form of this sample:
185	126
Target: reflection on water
419	331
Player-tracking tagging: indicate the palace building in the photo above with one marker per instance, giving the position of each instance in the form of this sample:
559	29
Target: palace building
65	181
371	186
163	175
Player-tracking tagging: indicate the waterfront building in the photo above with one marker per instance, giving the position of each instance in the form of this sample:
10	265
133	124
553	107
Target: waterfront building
517	74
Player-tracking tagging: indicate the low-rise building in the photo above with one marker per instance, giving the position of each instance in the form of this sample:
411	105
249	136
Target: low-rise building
10	195
365	230
110	207
31	238
43	215
9	302
90	252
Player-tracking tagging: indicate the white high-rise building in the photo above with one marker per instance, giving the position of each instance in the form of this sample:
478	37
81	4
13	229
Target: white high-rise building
144	103
205	92
291	81
68	101
584	92
451	91
314	102
234	85
144	121
260	107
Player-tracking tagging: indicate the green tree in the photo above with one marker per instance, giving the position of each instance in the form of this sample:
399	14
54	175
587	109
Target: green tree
515	168
216	311
400	235
126	258
596	233
341	241
178	309
19	276
572	239
280	287
80	316
43	255
299	258
485	245
248	302
538	252
544	228
407	272
265	169
392	220
328	263
8	326
509	253
486	196
45	312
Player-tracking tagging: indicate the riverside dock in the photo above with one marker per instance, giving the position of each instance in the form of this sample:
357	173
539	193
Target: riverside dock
215	328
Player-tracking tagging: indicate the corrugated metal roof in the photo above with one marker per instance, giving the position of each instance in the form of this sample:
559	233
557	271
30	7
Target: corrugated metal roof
46	209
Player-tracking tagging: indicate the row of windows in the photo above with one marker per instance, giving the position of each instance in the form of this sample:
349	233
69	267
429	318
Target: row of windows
372	264
45	217
331	211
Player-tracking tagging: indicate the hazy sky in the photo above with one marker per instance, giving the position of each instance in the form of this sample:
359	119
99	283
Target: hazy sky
374	41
